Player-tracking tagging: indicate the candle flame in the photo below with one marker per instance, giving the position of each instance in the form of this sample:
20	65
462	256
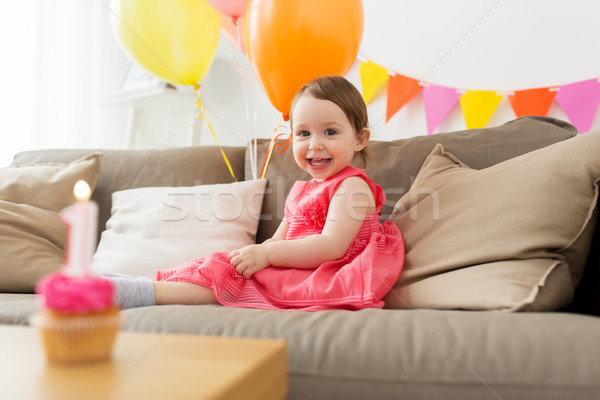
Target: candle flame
82	190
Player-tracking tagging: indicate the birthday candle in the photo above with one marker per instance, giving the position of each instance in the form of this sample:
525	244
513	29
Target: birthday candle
82	221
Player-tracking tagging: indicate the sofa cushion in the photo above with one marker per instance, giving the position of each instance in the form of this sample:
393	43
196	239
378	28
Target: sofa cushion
32	244
377	354
16	308
48	185
159	227
128	169
478	148
514	236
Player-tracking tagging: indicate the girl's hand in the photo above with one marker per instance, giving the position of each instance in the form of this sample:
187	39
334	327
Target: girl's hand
249	259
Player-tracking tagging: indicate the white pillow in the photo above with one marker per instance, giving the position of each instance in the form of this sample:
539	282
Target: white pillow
159	227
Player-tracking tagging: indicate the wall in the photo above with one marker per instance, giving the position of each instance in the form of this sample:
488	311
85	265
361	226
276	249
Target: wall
468	44
480	45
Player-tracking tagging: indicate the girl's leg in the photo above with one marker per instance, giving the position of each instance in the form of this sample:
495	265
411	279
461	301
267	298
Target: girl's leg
183	293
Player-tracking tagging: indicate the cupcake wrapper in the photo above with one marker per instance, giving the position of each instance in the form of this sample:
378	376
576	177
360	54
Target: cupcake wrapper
77	338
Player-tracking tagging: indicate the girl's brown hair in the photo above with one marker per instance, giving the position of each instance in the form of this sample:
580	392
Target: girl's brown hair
340	91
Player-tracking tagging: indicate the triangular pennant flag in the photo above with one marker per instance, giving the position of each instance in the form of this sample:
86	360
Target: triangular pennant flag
580	102
400	90
372	77
438	101
531	101
478	107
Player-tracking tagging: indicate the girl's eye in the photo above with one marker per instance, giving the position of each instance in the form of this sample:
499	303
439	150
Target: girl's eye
330	132
303	133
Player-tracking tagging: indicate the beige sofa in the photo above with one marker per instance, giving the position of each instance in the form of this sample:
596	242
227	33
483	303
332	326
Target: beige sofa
509	326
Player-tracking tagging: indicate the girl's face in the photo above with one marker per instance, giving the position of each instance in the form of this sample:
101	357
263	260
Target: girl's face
324	140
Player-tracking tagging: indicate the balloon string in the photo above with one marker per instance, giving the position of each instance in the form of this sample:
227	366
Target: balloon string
252	123
280	143
238	42
201	115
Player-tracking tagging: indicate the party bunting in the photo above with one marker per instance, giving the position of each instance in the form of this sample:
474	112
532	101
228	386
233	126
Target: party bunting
478	107
372	77
438	101
531	101
401	89
580	102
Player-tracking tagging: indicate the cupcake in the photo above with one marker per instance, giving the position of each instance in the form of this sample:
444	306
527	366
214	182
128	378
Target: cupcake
78	321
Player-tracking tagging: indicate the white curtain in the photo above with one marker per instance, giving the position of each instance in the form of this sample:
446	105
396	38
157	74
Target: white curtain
17	71
59	66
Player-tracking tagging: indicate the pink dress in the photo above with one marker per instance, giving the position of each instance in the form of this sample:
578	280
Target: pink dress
358	280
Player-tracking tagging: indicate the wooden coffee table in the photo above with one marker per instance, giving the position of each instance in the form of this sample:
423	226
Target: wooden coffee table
146	366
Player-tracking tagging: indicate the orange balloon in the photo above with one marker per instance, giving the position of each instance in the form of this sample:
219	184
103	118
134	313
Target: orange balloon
291	42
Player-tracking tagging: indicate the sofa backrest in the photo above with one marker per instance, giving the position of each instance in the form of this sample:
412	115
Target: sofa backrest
395	164
129	169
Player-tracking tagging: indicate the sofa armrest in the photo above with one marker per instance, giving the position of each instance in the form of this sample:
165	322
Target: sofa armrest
587	294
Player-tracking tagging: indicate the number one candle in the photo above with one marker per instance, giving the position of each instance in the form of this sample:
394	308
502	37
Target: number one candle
82	221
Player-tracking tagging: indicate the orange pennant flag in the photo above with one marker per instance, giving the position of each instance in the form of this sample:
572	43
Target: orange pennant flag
372	77
478	107
531	101
401	89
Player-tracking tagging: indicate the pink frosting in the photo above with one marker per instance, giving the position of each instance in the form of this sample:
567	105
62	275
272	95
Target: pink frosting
76	295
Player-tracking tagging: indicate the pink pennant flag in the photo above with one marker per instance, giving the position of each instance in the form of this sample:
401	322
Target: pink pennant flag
438	101
580	102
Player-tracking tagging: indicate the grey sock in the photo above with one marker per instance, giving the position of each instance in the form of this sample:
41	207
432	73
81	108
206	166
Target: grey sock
133	292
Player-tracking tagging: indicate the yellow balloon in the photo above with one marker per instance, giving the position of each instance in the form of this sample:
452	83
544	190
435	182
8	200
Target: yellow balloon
175	40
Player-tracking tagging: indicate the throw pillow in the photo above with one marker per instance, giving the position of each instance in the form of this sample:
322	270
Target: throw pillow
49	185
514	236
32	238
32	243
159	227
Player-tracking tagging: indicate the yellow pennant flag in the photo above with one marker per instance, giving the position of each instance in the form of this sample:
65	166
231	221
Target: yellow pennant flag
372	77
478	107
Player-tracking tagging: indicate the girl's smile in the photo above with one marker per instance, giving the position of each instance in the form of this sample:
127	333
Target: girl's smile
319	162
